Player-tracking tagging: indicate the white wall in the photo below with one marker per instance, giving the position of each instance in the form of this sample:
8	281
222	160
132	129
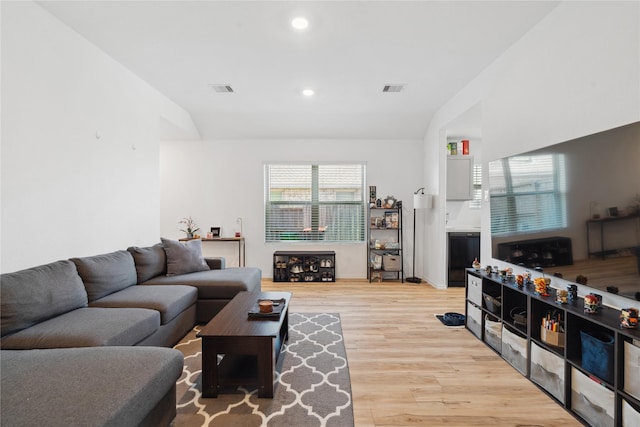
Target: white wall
216	182
576	73
66	192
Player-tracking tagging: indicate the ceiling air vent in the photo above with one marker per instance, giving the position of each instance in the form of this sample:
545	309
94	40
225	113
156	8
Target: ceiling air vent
393	88
222	88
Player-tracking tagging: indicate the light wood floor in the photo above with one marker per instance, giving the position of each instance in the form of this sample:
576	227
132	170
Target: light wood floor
407	369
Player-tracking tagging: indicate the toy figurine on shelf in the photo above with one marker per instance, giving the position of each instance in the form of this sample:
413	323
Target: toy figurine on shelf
541	286
562	296
527	277
590	304
629	318
476	264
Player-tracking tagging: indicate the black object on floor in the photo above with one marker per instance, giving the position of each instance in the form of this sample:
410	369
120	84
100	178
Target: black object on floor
451	319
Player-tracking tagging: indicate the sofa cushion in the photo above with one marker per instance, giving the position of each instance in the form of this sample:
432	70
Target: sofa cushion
87	327
170	301
150	261
105	274
184	257
216	284
115	386
39	293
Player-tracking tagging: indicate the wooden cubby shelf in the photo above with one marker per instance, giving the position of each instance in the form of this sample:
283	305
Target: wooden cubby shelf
304	266
601	389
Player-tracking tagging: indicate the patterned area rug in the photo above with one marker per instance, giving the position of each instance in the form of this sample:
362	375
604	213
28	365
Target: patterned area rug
312	388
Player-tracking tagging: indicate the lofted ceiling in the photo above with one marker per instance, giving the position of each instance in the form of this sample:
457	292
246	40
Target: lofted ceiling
349	52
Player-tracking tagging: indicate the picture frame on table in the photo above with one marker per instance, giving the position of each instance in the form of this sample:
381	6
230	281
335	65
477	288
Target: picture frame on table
215	232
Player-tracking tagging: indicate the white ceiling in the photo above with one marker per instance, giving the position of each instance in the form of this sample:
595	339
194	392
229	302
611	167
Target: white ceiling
349	52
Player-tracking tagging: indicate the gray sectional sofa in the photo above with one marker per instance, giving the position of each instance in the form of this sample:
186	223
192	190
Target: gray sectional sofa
79	326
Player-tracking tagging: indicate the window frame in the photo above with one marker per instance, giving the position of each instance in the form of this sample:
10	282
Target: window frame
314	230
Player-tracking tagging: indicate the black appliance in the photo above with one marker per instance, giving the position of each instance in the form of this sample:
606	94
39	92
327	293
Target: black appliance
463	249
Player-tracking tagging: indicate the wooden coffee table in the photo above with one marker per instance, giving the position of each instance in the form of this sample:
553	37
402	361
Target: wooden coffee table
251	346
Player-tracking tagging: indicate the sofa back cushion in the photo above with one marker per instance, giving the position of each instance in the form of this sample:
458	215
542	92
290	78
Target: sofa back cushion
150	261
184	257
105	274
31	296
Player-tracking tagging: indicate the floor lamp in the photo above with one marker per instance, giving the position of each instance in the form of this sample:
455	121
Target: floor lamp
419	202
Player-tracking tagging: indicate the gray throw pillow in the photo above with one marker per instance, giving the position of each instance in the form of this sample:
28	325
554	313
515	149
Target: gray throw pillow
150	261
184	257
107	273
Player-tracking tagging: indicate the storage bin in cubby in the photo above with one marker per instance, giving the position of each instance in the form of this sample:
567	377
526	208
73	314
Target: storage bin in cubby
630	415
597	353
632	370
474	289
492	302
493	332
514	308
591	400
514	350
391	262
474	319
547	370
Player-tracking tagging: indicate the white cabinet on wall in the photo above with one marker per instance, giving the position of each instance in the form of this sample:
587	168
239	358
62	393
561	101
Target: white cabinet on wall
459	177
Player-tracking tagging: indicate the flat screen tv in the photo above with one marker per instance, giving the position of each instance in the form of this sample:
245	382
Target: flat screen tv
586	191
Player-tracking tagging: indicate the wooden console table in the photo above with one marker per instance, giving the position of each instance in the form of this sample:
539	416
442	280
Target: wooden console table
601	223
238	240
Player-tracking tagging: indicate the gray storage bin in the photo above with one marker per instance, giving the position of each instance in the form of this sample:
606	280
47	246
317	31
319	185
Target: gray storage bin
391	262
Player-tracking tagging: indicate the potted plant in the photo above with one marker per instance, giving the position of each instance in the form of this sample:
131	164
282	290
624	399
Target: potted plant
190	226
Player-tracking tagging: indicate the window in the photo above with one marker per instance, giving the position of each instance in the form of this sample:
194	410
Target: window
528	194
319	202
476	202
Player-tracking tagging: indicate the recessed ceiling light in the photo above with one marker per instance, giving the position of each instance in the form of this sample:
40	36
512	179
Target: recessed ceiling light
308	92
300	23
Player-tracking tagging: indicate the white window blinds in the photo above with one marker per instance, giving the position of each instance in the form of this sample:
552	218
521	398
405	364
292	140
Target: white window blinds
528	194
321	202
476	201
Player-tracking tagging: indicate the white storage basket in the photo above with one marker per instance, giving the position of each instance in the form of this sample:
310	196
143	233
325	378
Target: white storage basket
474	320
592	401
630	417
547	370
514	350
474	289
493	333
632	369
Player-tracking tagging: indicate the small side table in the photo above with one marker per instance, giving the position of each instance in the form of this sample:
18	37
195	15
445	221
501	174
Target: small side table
238	240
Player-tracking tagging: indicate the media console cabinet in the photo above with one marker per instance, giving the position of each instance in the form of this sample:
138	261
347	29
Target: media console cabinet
610	396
